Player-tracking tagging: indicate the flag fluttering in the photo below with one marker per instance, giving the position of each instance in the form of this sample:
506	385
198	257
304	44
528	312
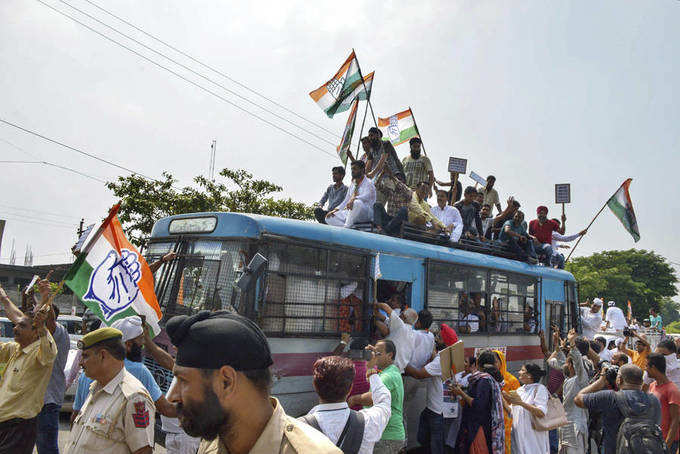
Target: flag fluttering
112	278
347	134
399	127
337	94
622	207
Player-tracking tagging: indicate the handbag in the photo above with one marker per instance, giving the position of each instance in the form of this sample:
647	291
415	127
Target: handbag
555	416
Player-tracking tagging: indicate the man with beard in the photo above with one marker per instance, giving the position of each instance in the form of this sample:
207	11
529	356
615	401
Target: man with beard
416	167
542	228
358	203
379	154
222	392
133	339
118	415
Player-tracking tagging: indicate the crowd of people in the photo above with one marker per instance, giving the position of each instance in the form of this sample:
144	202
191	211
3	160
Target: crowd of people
386	193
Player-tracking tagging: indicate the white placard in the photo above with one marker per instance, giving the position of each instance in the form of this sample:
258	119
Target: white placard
478	178
458	165
562	193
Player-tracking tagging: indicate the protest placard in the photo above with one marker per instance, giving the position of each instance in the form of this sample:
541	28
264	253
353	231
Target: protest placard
562	193
477	178
457	165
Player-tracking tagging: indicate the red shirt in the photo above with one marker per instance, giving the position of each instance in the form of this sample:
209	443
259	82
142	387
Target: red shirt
667	394
543	232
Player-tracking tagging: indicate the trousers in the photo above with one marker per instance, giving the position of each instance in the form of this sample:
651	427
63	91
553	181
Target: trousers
17	436
347	218
48	430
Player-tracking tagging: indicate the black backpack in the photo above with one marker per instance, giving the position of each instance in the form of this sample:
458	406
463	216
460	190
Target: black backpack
352	435
638	433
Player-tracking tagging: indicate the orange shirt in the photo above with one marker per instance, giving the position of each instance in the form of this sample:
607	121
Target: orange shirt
639	359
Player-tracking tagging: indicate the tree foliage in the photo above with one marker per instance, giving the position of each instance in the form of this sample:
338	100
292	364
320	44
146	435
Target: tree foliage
143	201
643	277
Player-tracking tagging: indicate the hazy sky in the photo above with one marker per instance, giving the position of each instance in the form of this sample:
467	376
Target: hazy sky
535	92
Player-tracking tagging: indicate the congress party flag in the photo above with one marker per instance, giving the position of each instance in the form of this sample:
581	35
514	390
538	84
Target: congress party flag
337	94
398	128
622	207
112	278
347	135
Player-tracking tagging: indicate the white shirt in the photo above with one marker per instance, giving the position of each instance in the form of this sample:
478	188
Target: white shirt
435	391
366	194
533	441
333	417
423	346
606	354
472	321
562	238
590	322
616	318
402	336
449	216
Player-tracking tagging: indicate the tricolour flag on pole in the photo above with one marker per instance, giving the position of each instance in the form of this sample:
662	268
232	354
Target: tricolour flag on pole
399	127
630	310
112	278
337	94
347	135
622	207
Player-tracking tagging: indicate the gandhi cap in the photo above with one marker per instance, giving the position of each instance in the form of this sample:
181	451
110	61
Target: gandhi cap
210	340
99	335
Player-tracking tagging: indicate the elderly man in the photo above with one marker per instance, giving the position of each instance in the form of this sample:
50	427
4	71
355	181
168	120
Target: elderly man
419	211
615	318
223	397
27	366
449	216
118	415
591	319
358	203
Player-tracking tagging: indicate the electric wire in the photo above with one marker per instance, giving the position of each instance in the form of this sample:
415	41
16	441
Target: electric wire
57	166
217	95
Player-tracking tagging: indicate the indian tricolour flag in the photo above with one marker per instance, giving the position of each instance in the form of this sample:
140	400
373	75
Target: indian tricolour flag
337	94
112	278
399	127
347	134
622	207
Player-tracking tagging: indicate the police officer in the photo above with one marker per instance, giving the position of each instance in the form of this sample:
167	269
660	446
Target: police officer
222	389
118	414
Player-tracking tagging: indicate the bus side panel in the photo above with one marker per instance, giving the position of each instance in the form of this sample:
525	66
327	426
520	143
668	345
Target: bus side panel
552	291
405	269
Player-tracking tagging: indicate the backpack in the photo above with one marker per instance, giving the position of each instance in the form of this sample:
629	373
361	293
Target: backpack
352	435
638	433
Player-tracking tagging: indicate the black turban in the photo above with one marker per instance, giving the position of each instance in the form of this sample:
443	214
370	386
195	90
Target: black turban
210	340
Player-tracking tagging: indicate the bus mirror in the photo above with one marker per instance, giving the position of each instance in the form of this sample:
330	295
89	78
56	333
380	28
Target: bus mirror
252	272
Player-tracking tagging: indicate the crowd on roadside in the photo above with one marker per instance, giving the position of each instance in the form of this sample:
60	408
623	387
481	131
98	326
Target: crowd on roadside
387	192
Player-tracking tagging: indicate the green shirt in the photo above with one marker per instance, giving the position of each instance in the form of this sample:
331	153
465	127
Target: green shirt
656	322
391	377
519	229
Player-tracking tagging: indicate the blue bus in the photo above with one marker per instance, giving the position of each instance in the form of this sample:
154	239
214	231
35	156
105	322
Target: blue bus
321	280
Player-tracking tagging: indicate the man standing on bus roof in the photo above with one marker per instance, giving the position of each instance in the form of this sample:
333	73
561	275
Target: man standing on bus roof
334	195
358	204
417	167
591	318
224	396
490	194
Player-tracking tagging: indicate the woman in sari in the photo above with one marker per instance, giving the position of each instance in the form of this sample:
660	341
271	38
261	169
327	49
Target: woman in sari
510	383
482	430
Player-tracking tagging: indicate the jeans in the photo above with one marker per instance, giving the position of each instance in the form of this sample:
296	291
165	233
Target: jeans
390	224
557	260
320	215
431	431
545	252
48	430
554	441
524	249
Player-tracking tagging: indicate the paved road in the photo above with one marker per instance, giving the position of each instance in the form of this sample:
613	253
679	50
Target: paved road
64	436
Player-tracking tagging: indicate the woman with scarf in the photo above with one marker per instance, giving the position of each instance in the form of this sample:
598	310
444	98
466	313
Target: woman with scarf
510	383
530	400
482	430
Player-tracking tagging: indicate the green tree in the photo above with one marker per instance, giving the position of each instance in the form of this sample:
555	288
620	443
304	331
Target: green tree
643	277
143	201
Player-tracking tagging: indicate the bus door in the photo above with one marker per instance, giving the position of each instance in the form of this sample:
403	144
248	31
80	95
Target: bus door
405	274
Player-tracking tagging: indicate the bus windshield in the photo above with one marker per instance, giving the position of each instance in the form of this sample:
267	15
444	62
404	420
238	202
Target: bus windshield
201	277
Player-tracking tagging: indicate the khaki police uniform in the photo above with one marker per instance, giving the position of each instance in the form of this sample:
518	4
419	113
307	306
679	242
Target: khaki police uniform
283	435
116	419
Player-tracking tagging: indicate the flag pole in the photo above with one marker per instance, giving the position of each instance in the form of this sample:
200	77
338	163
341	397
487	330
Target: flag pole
417	130
368	94
591	223
361	133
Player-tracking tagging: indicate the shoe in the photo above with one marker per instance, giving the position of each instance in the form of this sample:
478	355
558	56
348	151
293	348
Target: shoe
532	260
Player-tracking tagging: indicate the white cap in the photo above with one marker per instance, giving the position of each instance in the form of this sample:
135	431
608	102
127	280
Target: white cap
597	302
611	303
131	327
618	341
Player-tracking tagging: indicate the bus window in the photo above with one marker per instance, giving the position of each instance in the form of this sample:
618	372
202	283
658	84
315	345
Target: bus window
312	291
513	303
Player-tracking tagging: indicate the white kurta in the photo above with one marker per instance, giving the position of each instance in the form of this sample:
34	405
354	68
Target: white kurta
590	322
531	441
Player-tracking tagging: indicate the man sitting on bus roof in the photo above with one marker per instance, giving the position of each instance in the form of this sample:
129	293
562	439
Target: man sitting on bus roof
515	235
505	215
448	215
469	210
419	211
358	203
334	195
542	229
398	197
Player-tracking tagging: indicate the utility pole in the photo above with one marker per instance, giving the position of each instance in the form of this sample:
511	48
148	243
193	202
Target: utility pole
211	166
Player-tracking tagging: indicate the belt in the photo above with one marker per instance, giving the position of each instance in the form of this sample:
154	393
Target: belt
15	422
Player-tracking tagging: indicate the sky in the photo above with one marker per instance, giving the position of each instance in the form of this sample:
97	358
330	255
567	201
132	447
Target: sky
534	92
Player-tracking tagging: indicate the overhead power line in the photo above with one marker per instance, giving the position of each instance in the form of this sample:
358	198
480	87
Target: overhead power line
211	68
57	166
90	155
49	213
85	13
217	95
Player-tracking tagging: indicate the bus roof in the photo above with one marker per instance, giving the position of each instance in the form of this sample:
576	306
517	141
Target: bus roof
244	225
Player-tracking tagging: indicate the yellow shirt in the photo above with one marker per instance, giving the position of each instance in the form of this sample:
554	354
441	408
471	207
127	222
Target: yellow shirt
639	359
283	435
418	208
116	419
26	374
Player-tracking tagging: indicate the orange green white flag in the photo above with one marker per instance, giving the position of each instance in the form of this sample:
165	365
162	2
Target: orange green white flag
347	134
398	128
112	278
